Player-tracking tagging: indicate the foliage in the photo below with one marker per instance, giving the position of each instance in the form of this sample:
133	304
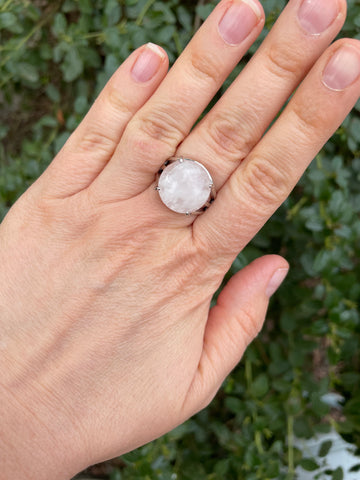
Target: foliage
54	59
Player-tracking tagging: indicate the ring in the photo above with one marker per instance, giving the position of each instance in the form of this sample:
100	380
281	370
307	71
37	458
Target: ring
185	186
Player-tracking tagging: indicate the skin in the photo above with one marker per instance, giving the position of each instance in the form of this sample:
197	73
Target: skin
107	339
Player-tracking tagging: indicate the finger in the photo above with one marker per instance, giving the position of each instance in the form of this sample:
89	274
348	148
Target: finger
92	144
233	323
229	132
155	132
267	176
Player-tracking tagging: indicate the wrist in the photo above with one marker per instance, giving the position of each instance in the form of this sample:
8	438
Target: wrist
32	445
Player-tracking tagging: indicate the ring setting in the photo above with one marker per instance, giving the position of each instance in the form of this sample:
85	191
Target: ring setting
185	186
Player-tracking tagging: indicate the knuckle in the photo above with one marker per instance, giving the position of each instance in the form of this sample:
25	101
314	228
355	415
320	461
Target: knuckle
284	60
144	151
96	140
308	116
160	125
184	267
64	218
264	183
249	324
227	135
207	264
205	67
115	99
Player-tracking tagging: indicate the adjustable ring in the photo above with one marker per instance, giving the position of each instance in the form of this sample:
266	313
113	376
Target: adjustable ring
185	186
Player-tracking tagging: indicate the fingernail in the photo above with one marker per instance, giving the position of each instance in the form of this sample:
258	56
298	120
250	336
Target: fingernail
316	16
147	63
276	280
238	21
343	69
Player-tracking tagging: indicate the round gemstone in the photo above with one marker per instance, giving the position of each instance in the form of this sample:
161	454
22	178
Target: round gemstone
185	186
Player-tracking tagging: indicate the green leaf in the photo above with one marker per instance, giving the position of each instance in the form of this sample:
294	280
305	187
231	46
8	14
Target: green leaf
322	261
309	464
338	474
303	427
53	93
165	34
167	16
112	12
260	386
222	467
60	141
235	405
72	66
184	17
7	20
325	448
81	105
59	25
115	475
204	10
4	129
273	469
315	224
294	405
355	468
28	72
318	406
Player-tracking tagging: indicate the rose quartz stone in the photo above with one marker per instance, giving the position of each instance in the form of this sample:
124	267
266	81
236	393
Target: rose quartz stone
185	186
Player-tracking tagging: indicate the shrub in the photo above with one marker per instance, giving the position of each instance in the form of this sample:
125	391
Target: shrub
55	58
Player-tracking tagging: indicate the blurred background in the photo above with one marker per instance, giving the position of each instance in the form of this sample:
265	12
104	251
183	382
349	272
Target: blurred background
285	410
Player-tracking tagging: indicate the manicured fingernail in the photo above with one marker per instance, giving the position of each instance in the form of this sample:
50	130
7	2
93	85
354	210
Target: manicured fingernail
276	280
343	69
238	21
316	16
147	63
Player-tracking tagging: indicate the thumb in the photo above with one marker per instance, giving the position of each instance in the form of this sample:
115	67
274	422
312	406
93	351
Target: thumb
233	323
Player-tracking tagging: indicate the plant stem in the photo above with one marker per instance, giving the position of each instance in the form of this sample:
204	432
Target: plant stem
6	4
143	12
295	209
258	442
24	40
177	43
290	435
248	373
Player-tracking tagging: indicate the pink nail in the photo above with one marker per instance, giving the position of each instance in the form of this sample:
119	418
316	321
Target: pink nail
316	16
238	21
343	69
276	280
147	63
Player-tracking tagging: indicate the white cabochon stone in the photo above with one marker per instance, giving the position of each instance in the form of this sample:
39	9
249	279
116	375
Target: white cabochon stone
184	186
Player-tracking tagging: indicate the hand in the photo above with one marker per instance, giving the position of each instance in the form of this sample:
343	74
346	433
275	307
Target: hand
107	341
